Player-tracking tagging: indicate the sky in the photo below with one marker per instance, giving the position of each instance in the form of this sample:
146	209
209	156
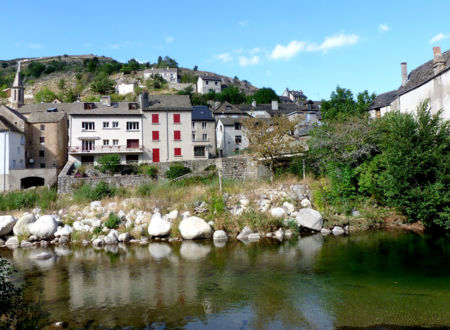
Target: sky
311	46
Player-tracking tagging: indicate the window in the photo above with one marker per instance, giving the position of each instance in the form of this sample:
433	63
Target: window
176	118
155	135
41	153
132	106
106	124
42	165
215	83
206	82
193	125
115	142
199	151
237	126
42	127
193	136
238	139
88	106
106	142
221	128
203	124
18	150
177	135
88	126
177	151
42	139
132	125
155	119
378	113
88	145
115	124
205	137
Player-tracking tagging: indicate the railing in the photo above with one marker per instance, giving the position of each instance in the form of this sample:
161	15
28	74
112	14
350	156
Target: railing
200	140
104	149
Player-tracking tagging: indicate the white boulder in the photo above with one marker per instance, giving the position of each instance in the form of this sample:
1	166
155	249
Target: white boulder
325	231
95	204
194	227
338	230
21	226
158	226
243	235
44	227
220	235
112	237
279	234
278	212
171	216
64	231
254	237
305	202
244	202
13	241
7	223
124	237
288	207
310	219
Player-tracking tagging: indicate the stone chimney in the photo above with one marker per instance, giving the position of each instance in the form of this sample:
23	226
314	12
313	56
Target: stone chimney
253	104
106	100
438	60
275	105
216	104
404	73
143	100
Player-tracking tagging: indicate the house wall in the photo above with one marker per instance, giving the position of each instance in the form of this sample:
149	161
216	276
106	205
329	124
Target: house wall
210	131
4	153
123	89
167	75
229	140
167	143
203	86
16	151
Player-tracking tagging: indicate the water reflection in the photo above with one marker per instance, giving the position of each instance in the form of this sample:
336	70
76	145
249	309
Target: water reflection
311	282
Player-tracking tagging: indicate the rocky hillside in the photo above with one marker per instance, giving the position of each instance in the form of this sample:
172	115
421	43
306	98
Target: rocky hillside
77	73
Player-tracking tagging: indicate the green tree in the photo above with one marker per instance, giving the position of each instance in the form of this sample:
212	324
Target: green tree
102	84
131	66
34	69
44	95
263	95
231	94
62	84
109	163
166	62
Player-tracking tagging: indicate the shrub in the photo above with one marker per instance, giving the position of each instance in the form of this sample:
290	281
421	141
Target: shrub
176	170
15	200
217	205
109	163
152	172
145	189
98	230
113	221
87	193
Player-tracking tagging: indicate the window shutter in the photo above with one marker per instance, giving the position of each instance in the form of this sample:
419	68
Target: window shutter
177	135
155	135
155	118
176	118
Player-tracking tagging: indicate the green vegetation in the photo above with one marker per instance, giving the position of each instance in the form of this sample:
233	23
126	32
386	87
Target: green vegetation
109	163
263	95
44	95
176	170
87	193
103	84
15	200
166	62
113	221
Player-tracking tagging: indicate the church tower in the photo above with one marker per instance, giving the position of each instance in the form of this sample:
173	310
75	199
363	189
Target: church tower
17	90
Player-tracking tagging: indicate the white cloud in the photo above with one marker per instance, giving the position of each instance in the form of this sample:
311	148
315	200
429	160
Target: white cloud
224	57
281	52
335	41
439	37
255	50
243	23
169	39
383	28
35	46
247	61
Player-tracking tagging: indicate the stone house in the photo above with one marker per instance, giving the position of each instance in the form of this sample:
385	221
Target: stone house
293	96
206	84
169	74
203	132
231	138
430	81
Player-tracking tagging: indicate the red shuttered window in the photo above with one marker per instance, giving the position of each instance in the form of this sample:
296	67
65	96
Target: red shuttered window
177	135
155	118
176	118
177	151
155	135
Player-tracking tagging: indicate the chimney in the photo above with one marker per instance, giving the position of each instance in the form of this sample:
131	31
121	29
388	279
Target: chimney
106	100
253	104
438	60
143	100
404	73
275	105
216	104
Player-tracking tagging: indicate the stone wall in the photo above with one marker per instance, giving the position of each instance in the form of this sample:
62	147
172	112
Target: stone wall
181	86
237	168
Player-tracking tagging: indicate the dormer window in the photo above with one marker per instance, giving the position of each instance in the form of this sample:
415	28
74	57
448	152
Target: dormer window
88	106
132	106
228	107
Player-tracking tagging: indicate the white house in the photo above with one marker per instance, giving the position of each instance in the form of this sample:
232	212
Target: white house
99	128
230	136
125	88
168	74
430	81
12	152
206	84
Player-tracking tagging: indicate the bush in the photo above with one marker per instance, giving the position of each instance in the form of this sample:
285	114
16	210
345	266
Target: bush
217	205
176	170
152	172
15	200
87	193
145	189
113	221
109	163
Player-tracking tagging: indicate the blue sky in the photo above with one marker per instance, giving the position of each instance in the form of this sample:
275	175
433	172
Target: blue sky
309	45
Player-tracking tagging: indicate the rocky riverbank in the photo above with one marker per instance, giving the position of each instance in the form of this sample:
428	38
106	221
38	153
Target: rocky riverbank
278	212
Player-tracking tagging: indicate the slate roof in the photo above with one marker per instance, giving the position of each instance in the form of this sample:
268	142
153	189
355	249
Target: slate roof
15	112
202	113
383	100
285	99
230	121
213	78
6	126
283	108
163	70
77	108
228	109
46	117
18	78
169	102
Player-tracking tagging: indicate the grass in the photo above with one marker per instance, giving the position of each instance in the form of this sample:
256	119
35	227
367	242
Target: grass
113	221
43	198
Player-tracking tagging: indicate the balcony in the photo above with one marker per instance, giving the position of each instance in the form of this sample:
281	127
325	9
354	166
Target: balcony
106	150
200	141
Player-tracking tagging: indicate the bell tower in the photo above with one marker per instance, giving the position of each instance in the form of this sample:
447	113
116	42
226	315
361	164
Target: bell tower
17	90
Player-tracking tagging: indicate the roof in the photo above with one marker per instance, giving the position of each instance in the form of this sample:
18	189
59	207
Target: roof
230	121
213	78
201	113
15	112
283	108
285	99
228	109
383	100
46	117
423	73
77	108
163	70
169	102
6	126
18	78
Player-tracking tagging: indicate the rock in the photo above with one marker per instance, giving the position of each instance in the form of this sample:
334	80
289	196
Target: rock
325	231
194	228
64	231
124	237
12	241
21	226
254	237
288	207
338	230
220	235
111	238
356	213
25	244
98	242
32	238
294	214
288	234
243	235
121	214
269	235
186	214
194	251
299	191
95	204
2	242
278	212
244	202
158	226
279	234
310	219
43	243
85	242
7	223
43	256
305	202
44	227
159	250
172	216
64	239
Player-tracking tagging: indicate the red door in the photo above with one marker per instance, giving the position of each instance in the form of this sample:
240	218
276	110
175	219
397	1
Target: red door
156	155
132	143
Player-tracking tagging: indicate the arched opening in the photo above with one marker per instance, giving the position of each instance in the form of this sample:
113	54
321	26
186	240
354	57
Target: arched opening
31	181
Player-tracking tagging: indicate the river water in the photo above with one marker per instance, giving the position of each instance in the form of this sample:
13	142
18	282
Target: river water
389	279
